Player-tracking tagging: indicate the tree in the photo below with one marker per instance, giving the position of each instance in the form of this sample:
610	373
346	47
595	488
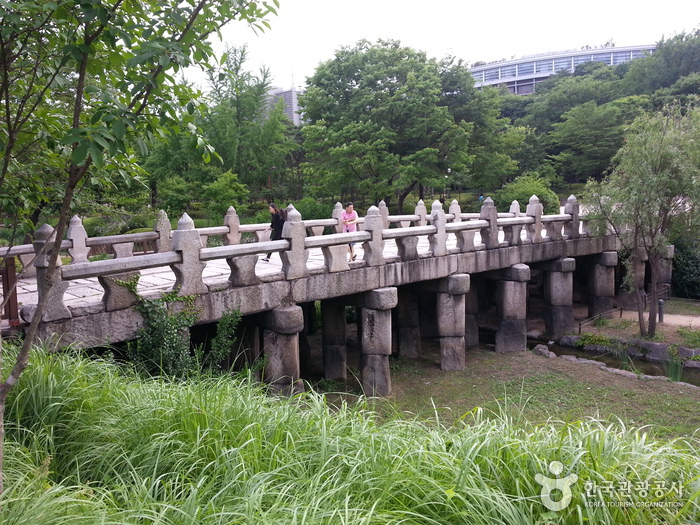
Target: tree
376	126
656	178
493	140
524	187
586	140
673	59
83	82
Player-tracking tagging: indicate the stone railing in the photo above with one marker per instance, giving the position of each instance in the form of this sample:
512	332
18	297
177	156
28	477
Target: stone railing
184	250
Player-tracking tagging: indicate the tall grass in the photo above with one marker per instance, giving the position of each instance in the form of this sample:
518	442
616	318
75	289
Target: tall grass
90	443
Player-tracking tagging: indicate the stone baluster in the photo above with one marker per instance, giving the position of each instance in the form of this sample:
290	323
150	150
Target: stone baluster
571	228
534	210
281	348
554	230
188	272
438	240
465	239
374	248
512	233
422	213
407	248
78	236
162	226
336	214
294	259
489	234
117	296
50	288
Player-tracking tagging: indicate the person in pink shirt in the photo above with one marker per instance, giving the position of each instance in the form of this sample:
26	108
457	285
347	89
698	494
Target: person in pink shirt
349	219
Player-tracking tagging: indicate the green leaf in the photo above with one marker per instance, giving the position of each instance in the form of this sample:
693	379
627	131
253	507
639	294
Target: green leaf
96	155
79	154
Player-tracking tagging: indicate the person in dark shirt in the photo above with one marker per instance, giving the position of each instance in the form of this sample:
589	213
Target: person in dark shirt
276	225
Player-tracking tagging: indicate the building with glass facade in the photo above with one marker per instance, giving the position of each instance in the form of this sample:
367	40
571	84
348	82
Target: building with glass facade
522	75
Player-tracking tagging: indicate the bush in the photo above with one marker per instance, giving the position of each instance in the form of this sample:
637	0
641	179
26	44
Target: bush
524	187
686	269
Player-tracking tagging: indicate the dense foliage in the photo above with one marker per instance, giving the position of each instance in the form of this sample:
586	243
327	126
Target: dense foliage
94	444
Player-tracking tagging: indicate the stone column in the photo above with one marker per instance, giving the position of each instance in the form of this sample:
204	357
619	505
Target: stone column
511	297
602	284
558	297
333	340
407	327
666	270
471	321
281	349
375	340
451	317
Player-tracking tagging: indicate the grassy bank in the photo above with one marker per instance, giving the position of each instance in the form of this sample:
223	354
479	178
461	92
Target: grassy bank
89	443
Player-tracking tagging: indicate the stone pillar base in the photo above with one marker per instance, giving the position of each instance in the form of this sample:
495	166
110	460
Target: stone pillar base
511	336
335	362
599	305
376	376
558	320
452	356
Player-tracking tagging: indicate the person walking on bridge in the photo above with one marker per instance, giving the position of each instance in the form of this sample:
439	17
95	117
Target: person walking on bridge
278	218
350	218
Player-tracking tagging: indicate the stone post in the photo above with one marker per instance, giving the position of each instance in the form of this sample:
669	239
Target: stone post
451	316
294	260
602	284
384	213
407	329
162	227
374	248
511	297
512	233
55	309
558	297
78	236
422	213
281	349
375	340
333	340
188	272
471	314
534	210
337	212
438	240
571	228
666	270
489	234
233	223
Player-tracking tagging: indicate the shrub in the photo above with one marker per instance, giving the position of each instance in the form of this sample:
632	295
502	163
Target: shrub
524	187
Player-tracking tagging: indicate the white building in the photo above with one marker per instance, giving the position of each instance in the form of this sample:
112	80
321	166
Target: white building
520	76
291	102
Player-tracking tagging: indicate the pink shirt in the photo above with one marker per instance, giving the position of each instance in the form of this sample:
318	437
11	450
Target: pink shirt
345	216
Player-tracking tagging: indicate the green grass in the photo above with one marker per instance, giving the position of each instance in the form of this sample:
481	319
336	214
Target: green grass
689	337
90	443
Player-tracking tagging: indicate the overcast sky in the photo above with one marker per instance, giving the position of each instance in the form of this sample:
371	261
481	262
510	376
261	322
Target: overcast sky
307	32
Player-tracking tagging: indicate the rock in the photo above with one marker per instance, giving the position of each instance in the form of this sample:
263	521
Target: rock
542	350
569	341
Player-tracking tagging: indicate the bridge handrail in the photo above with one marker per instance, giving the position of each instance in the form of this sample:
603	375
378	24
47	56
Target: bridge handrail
185	251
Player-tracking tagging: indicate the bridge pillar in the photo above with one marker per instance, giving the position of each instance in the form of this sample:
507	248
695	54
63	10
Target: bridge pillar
471	314
511	299
375	340
407	329
558	297
451	321
281	349
333	340
602	284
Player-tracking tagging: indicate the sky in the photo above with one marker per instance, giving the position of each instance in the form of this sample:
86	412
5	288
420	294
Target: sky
308	32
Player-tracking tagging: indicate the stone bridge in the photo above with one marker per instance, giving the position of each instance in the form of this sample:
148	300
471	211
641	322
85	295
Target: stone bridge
429	272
